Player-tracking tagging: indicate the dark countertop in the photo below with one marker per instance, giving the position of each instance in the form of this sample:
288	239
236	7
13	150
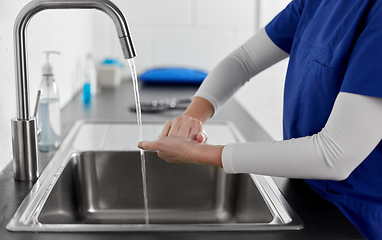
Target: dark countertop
322	220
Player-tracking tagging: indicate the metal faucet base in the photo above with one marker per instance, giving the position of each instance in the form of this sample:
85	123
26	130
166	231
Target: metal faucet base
25	151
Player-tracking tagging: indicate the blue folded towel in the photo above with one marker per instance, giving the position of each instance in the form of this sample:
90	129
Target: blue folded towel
173	76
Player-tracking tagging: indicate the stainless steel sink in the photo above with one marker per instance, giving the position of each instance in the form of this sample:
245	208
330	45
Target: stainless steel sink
102	191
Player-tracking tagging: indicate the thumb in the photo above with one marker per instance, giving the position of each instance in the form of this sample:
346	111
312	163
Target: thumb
201	137
143	145
149	145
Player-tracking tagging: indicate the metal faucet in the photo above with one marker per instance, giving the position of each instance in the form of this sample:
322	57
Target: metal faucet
24	127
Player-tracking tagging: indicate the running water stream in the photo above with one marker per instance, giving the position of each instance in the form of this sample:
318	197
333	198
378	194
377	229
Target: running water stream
139	120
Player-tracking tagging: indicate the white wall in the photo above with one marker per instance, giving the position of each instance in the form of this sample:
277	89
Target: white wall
66	31
191	33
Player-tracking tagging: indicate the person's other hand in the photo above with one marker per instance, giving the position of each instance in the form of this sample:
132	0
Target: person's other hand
185	126
184	150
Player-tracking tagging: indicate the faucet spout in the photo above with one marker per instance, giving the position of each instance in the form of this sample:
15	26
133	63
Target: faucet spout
24	125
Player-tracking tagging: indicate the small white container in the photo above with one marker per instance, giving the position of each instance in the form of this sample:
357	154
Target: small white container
109	76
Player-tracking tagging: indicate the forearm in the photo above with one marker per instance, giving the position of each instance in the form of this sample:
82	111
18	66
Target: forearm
353	130
257	54
207	154
199	108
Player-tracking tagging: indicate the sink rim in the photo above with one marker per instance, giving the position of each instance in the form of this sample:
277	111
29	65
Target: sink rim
26	217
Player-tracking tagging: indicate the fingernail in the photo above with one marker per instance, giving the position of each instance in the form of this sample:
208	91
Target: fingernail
204	135
198	137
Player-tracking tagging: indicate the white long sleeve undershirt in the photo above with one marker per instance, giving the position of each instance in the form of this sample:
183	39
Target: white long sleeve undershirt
352	131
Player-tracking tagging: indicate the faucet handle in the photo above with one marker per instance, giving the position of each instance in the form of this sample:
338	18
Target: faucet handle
37	103
38	130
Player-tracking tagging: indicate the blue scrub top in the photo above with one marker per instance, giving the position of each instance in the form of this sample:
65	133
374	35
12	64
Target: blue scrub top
334	46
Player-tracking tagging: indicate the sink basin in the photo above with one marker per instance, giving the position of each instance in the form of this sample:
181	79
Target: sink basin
105	187
88	190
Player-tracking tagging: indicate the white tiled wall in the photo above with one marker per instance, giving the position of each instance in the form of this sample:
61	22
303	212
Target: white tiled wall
217	13
191	33
192	47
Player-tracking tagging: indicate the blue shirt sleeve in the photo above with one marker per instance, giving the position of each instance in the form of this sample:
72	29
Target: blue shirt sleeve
282	28
364	70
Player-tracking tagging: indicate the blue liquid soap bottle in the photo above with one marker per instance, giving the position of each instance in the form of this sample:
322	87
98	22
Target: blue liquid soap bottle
49	112
90	88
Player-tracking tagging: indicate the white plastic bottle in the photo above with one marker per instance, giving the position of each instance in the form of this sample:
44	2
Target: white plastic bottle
49	112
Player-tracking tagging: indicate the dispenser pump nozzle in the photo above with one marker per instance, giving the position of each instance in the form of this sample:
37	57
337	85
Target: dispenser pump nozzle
47	68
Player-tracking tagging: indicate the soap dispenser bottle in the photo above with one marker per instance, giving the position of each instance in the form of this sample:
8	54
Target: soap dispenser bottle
49	112
90	84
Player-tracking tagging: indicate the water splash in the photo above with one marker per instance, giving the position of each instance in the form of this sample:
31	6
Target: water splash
139	121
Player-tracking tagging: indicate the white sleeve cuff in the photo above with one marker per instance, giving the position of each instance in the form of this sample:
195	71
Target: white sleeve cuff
209	97
227	156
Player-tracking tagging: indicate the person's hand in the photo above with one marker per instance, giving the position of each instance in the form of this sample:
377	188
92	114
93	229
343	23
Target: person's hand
183	150
185	126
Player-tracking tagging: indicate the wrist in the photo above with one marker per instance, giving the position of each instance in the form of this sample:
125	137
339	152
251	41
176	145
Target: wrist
200	108
207	154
